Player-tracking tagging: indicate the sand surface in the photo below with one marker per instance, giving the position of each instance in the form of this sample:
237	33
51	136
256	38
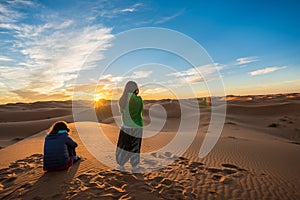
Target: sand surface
256	157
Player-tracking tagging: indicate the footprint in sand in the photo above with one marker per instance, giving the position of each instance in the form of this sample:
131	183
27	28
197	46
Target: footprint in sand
24	166
233	167
222	179
182	160
85	177
189	193
195	167
155	181
166	182
168	154
154	155
229	171
150	162
26	186
214	170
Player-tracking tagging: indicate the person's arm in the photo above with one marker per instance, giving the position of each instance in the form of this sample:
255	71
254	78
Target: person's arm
141	104
135	105
71	142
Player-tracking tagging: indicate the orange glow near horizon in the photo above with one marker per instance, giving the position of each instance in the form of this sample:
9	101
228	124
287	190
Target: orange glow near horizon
100	96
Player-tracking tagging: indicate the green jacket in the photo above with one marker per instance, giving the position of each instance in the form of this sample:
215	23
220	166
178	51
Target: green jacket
132	113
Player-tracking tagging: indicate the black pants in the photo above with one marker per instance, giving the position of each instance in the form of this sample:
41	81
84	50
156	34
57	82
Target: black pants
129	146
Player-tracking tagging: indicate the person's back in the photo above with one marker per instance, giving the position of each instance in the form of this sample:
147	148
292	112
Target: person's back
132	113
59	148
55	150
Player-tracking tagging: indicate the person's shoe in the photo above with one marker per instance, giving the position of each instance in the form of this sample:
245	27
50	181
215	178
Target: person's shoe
136	169
121	168
76	159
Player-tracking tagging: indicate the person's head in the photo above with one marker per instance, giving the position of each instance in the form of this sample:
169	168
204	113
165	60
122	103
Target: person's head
60	125
130	87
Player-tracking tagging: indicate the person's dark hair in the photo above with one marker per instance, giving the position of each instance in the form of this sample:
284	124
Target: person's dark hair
60	125
130	87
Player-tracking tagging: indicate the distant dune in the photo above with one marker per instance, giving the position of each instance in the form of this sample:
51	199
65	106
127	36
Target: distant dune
256	157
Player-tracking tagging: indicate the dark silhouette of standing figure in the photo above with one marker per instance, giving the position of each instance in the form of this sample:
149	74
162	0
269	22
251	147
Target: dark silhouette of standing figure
130	137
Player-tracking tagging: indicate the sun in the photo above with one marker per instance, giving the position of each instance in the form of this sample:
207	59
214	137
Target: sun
98	97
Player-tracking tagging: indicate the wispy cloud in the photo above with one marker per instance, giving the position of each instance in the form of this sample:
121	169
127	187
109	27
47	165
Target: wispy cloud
4	58
132	8
246	60
199	74
111	85
168	18
56	55
292	81
30	95
117	11
140	74
154	90
8	15
109	79
266	70
50	53
21	2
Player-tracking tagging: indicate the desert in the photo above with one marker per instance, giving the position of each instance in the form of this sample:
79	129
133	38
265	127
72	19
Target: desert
256	157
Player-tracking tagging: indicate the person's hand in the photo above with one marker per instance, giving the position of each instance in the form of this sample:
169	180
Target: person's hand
136	91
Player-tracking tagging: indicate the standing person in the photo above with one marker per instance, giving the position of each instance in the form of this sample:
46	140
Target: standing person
59	148
130	137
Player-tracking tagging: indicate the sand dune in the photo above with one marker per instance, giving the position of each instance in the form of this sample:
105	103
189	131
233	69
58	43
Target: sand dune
257	156
280	119
18	121
36	114
12	132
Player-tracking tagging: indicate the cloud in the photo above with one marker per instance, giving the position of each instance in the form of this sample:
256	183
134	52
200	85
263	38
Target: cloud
108	84
8	15
199	74
140	74
48	53
9	10
168	18
266	70
154	91
114	12
5	59
292	81
30	95
109	79
132	8
55	56
246	60
21	2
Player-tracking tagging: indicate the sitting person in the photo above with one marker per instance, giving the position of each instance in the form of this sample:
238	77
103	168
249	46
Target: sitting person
59	148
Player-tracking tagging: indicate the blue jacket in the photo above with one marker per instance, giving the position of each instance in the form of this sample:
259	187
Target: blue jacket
56	151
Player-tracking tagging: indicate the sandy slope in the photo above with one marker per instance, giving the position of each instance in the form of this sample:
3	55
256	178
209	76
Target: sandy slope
243	165
19	121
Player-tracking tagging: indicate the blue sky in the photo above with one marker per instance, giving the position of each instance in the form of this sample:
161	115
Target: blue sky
255	44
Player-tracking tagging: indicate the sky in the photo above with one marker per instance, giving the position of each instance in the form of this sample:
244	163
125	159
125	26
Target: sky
46	48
